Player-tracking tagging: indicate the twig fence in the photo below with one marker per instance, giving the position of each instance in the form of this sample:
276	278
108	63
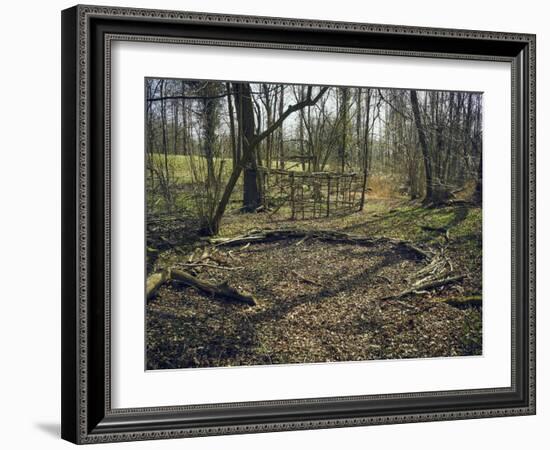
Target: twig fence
311	194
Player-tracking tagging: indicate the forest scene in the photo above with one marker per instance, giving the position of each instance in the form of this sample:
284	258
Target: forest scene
310	224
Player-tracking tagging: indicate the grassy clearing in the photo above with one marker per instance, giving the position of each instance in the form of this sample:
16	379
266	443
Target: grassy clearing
186	172
180	166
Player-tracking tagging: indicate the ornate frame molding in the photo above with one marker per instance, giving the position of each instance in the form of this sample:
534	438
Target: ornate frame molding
87	422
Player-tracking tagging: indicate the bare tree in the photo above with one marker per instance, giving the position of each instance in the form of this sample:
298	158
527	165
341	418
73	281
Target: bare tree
250	143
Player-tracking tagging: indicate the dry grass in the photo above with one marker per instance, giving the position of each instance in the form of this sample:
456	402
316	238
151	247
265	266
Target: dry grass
383	187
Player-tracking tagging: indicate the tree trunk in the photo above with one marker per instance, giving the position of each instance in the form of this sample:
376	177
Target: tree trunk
281	129
478	193
365	151
175	127
249	148
344	118
423	147
231	125
251	193
301	133
185	134
210	119
477	150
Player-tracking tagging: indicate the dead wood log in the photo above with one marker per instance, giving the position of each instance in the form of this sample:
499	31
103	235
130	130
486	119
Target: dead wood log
223	290
257	236
211	266
426	287
154	282
277	235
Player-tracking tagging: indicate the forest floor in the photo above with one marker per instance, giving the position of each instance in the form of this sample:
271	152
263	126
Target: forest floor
320	301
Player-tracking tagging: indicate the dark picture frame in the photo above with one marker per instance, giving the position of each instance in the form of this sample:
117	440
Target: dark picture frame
87	415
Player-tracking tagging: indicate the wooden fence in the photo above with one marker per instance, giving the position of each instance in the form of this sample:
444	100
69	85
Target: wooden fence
312	194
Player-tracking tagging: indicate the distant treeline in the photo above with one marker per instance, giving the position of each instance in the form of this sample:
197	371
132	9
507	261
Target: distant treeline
428	142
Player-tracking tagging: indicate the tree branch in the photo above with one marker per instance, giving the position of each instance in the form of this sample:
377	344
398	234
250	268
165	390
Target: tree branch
308	102
186	97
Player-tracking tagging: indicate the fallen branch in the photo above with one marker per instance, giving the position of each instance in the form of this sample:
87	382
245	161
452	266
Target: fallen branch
257	236
307	280
426	287
204	254
212	266
154	282
222	290
278	235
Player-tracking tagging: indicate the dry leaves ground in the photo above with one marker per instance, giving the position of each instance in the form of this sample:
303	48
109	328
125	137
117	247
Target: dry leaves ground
322	301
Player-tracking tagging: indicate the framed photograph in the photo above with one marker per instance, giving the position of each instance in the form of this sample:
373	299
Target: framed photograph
281	224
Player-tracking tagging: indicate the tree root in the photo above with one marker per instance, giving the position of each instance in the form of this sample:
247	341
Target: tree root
433	275
262	236
222	291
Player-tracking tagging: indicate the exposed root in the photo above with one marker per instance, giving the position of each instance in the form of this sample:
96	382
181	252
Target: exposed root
222	291
438	271
257	236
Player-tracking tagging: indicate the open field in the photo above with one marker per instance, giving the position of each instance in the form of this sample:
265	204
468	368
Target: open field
180	165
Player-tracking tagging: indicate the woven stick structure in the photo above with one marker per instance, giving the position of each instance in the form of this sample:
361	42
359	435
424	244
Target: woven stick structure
311	195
